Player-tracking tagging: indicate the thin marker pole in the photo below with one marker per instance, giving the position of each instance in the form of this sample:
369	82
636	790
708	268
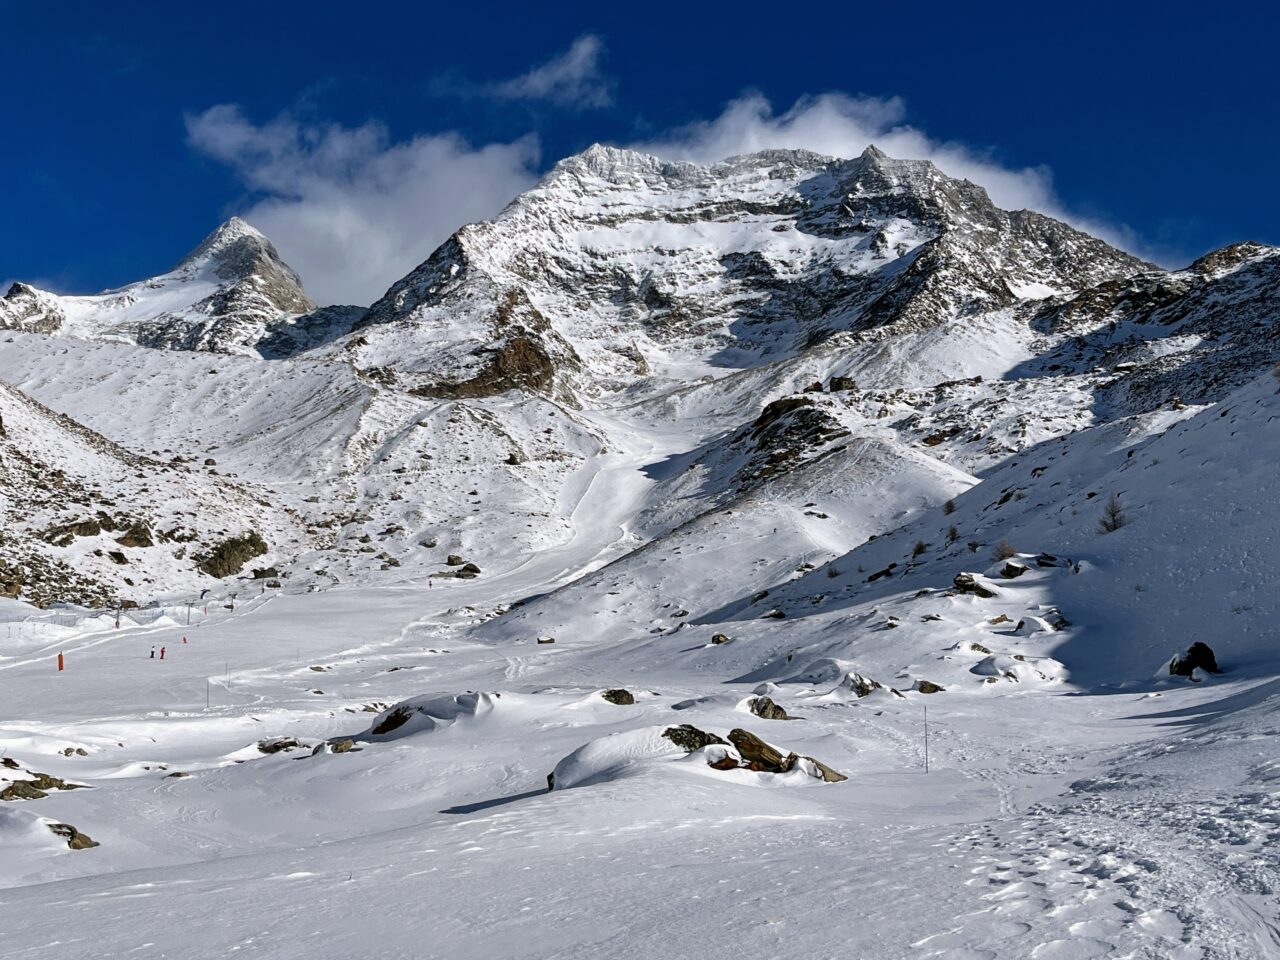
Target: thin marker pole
926	737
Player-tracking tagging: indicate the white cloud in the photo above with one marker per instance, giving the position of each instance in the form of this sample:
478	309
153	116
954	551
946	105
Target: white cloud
573	79
842	126
348	209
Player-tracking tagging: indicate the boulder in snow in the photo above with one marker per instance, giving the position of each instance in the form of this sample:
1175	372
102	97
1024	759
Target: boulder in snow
1198	656
972	583
766	709
690	738
75	839
424	714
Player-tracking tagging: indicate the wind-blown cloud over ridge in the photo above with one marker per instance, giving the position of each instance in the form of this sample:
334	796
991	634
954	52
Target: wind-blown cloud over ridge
353	211
839	125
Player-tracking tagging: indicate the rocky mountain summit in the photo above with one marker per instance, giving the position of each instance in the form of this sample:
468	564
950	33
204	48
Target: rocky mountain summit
621	266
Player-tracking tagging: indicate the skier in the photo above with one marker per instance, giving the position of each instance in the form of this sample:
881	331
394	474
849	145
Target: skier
153	653
162	653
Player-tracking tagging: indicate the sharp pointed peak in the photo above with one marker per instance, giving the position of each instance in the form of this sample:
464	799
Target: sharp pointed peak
872	152
234	239
232	229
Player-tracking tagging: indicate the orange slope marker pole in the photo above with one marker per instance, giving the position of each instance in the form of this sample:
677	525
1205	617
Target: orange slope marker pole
61	664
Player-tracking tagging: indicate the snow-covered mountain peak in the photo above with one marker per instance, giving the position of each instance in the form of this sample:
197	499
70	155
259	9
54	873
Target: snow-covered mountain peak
237	251
637	266
231	249
232	294
618	165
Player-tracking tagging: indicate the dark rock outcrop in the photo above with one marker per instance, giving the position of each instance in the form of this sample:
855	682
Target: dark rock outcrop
690	738
278	744
1198	656
766	709
971	583
229	557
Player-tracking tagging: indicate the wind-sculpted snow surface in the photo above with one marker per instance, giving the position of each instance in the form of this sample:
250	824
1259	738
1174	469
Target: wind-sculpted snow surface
607	545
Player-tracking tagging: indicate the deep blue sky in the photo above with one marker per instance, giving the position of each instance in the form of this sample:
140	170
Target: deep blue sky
1161	121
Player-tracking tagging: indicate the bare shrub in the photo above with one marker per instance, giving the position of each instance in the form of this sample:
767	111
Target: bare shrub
1004	550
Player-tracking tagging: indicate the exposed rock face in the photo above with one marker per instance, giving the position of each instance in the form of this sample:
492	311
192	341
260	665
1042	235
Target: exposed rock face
138	535
1221	308
623	698
22	790
525	354
26	308
229	557
1198	656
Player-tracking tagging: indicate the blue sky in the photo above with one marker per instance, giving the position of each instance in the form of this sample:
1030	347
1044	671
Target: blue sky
358	138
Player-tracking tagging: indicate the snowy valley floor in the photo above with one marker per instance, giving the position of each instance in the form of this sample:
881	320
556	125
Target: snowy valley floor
1052	823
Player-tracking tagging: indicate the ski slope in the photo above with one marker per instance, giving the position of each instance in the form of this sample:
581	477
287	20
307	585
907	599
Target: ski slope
1061	816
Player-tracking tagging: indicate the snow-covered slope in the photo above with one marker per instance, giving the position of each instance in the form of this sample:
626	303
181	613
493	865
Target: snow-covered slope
89	522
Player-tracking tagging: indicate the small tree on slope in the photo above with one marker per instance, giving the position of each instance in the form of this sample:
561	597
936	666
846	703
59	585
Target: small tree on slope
1113	517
